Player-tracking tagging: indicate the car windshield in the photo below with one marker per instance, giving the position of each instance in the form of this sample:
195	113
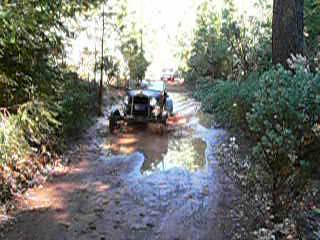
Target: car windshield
167	71
153	85
167	75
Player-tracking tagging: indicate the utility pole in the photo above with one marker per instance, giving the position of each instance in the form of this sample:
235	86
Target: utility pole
95	65
141	40
101	67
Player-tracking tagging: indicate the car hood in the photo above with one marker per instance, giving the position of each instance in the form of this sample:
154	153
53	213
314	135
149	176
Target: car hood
146	93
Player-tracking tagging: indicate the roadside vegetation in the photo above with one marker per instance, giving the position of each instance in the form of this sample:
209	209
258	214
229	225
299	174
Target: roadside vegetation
271	102
259	81
44	100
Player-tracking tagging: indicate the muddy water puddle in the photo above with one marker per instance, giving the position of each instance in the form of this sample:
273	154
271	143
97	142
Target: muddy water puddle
162	151
183	144
181	153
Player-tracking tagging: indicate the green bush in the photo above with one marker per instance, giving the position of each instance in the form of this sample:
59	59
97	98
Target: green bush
283	118
285	122
38	102
281	111
24	135
286	112
13	144
77	103
39	128
221	100
228	100
226	46
202	89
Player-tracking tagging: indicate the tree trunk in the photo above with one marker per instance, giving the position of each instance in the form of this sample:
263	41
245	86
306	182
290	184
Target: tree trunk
287	30
95	66
101	69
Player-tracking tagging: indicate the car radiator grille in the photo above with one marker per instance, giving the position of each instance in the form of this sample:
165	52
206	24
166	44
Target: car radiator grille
141	100
140	106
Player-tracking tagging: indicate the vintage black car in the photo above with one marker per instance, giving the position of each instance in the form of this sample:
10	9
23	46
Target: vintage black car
149	103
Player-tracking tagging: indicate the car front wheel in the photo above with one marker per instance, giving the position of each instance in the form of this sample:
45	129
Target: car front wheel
112	124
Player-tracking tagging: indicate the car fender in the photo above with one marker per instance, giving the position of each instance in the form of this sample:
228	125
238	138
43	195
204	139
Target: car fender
117	112
169	105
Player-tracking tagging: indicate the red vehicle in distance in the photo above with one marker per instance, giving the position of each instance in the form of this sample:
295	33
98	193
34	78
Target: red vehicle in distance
168	75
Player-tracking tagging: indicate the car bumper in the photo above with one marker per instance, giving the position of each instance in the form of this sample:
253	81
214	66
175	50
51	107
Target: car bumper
142	119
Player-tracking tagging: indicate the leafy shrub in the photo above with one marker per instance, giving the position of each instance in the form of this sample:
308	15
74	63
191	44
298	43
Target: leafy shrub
203	88
221	100
37	103
29	137
23	136
228	100
253	205
285	122
77	103
228	47
312	29
283	117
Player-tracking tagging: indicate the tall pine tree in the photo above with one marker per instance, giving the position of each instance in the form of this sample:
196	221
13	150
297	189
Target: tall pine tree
287	30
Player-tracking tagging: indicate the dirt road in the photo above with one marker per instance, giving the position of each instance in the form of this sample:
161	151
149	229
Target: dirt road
137	184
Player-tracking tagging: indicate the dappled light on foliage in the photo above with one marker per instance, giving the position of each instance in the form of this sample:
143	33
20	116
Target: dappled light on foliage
250	67
274	110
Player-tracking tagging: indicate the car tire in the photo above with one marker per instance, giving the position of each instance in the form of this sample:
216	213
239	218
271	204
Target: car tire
163	128
164	122
169	106
112	125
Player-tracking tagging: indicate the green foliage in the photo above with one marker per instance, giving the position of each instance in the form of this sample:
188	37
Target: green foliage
111	67
215	103
135	57
131	45
31	34
13	144
281	113
229	66
281	110
284	118
312	18
22	135
25	131
78	101
228	100
209	56
38	127
38	101
227	47
312	32
25	51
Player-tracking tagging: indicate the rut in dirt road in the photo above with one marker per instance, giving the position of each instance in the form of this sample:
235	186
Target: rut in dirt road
175	192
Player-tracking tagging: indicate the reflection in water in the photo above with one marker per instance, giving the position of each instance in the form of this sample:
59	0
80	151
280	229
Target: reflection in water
180	146
138	138
162	151
185	153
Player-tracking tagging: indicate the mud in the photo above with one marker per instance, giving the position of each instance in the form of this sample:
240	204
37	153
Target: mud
182	144
135	184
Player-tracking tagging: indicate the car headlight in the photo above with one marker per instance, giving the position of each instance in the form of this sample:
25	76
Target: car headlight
126	100
153	102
